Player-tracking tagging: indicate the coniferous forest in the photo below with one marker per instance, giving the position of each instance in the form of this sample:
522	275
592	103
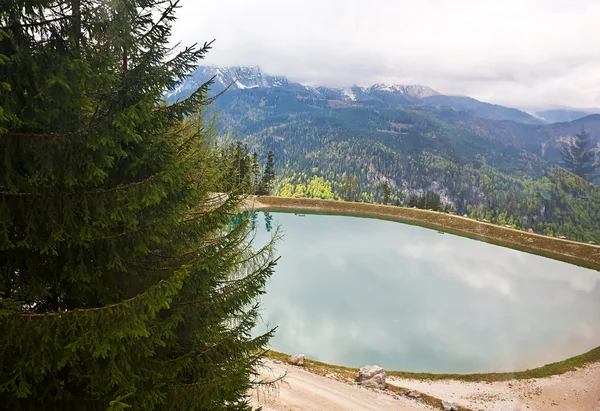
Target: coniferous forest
124	283
375	151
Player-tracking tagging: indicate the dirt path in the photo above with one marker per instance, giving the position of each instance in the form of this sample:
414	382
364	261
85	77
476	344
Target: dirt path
573	391
304	391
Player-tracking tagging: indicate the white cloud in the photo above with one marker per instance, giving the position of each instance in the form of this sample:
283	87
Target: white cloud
518	52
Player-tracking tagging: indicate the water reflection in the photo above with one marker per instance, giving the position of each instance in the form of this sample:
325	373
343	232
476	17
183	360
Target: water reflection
355	291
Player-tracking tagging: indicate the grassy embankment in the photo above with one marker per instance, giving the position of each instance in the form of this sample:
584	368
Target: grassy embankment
349	374
549	370
581	254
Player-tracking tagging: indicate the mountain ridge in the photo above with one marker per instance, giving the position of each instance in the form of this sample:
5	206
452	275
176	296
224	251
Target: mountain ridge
247	77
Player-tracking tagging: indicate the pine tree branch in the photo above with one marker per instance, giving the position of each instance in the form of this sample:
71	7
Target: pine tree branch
82	310
35	24
85	192
213	98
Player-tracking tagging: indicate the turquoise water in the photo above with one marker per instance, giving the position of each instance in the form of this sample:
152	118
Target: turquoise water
354	291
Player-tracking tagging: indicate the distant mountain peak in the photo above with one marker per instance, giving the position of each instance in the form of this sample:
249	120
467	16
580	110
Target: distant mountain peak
410	90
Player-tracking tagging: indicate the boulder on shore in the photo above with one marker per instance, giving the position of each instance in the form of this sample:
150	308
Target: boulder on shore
413	394
296	359
371	376
530	231
449	406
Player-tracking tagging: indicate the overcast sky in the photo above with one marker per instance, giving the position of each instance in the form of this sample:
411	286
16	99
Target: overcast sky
523	53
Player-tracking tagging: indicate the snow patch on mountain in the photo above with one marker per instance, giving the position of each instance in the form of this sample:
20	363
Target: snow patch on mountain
410	90
349	93
252	77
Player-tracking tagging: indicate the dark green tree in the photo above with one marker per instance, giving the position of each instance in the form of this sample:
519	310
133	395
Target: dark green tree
348	187
268	177
236	164
123	282
255	171
386	192
578	156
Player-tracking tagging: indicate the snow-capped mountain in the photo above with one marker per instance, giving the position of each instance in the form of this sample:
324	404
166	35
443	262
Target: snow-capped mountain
249	77
237	77
410	90
247	81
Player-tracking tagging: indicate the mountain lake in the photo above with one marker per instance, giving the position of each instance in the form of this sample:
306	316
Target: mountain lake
354	291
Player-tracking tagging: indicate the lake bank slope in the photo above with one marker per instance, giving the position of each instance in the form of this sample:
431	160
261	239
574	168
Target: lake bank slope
582	254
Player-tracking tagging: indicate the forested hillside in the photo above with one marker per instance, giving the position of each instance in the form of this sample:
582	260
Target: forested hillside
341	145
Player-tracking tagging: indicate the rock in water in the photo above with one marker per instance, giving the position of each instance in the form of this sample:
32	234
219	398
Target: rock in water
371	376
449	406
296	359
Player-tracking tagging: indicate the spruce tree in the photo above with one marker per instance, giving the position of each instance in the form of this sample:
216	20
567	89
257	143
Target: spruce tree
386	192
269	174
124	282
255	171
268	177
578	156
348	187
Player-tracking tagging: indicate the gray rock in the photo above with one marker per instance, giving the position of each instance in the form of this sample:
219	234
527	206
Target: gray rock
449	406
530	231
413	394
296	359
591	242
371	376
464	215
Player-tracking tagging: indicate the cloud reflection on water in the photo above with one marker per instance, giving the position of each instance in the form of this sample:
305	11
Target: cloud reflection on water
409	298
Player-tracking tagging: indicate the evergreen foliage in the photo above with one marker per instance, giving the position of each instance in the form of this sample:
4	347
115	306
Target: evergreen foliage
346	152
386	192
239	168
348	187
123	282
268	178
427	201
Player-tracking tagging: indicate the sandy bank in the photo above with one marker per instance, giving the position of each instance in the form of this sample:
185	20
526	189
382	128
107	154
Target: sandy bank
302	391
573	391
